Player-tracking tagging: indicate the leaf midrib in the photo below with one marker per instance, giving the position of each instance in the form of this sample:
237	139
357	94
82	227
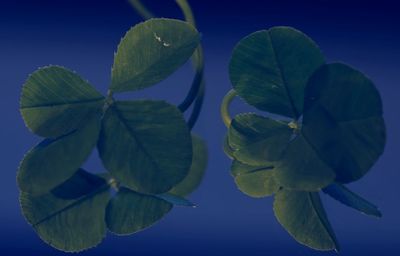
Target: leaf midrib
129	81
339	124
321	220
63	103
73	204
260	169
284	81
135	137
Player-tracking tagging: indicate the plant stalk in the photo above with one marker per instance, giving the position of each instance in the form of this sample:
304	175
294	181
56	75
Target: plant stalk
196	92
226	117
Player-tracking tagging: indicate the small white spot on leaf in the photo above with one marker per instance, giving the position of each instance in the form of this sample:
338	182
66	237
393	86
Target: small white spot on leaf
157	37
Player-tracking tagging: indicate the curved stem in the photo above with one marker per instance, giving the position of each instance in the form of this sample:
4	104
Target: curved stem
196	92
225	107
197	60
187	11
141	9
198	80
197	107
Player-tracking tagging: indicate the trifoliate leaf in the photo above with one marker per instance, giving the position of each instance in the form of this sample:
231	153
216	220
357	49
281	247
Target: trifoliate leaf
300	167
269	69
258	140
338	130
303	216
146	145
53	161
349	198
56	101
254	181
150	52
129	212
197	170
343	120
70	218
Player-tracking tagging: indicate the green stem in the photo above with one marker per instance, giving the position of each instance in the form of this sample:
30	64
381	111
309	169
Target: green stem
141	9
108	101
198	80
196	93
187	11
197	107
225	107
197	60
114	184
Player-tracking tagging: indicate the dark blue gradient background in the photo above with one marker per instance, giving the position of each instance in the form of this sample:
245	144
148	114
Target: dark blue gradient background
83	35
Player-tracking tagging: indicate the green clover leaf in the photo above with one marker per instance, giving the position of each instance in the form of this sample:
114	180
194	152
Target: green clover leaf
269	74
72	216
54	160
257	140
254	181
334	135
343	120
303	216
197	169
150	52
56	101
145	145
129	211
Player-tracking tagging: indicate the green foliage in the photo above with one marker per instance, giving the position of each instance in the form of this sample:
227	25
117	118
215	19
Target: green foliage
326	130
53	161
129	212
150	52
257	140
267	74
197	169
254	181
158	139
56	101
72	216
345	196
303	216
342	105
145	145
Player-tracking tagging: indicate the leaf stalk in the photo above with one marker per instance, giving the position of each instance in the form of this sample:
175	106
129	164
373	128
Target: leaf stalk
226	117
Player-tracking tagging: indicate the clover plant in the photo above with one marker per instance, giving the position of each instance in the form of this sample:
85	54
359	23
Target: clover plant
153	160
323	129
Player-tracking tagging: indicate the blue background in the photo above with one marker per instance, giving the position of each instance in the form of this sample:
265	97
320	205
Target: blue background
83	35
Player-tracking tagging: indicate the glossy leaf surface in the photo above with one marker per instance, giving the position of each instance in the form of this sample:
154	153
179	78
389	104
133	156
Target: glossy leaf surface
150	52
129	212
269	69
56	101
197	170
301	168
258	140
303	216
343	120
70	218
146	145
53	161
254	181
